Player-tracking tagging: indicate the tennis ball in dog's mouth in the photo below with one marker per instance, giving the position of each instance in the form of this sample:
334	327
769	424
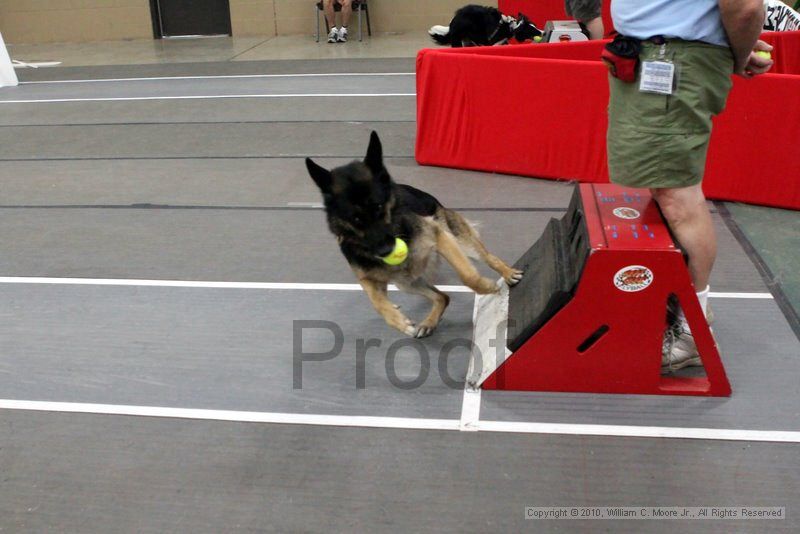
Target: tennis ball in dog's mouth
537	39
399	254
764	54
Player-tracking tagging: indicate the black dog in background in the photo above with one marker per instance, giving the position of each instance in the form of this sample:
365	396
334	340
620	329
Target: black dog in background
475	25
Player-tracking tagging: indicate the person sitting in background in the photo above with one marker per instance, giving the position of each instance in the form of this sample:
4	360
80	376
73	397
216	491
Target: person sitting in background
588	13
337	35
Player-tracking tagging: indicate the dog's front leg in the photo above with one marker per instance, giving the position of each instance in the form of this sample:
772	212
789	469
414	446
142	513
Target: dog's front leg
439	300
448	247
376	291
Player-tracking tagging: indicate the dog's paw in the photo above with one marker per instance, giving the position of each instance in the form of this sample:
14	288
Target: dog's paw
408	327
513	277
397	320
424	330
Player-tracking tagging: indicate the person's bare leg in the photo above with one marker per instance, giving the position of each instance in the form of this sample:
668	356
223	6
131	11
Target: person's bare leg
330	14
688	217
347	11
595	27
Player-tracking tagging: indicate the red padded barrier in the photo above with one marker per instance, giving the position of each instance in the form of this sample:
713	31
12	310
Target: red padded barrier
540	11
754	155
786	53
517	116
520	110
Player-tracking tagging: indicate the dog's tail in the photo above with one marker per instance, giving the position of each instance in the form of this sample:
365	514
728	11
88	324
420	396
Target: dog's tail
440	34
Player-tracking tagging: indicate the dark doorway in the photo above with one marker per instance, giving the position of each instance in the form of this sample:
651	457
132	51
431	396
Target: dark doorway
180	18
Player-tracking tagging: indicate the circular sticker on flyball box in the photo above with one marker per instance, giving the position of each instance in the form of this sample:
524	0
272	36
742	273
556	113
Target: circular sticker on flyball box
633	278
626	213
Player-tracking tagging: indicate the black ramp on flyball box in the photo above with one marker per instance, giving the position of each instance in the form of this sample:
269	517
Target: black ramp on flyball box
552	266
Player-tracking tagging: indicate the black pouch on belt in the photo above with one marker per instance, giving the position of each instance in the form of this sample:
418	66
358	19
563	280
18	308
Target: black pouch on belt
621	56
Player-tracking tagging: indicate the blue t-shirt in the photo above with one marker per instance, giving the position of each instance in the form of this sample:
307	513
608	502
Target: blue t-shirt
690	20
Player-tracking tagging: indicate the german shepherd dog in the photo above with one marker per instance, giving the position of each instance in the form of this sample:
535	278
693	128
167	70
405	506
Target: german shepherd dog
475	25
367	210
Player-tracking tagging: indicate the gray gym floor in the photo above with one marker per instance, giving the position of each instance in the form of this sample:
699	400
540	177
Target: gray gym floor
140	398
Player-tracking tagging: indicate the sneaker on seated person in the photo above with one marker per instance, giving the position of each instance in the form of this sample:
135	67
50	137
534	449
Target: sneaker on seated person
330	7
333	37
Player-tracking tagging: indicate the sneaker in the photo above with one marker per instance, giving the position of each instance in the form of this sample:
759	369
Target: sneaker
343	35
678	350
334	35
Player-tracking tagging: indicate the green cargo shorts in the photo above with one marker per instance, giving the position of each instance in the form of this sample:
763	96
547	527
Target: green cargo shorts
661	141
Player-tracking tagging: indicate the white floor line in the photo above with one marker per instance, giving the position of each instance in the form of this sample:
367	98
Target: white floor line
740	295
232	416
206	97
200	284
471	401
261	285
405	423
723	434
227	76
470	409
309	205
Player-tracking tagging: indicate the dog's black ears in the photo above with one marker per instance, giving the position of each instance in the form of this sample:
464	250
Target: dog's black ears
322	177
374	159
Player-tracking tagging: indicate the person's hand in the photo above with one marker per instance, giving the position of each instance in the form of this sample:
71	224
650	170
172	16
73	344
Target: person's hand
757	64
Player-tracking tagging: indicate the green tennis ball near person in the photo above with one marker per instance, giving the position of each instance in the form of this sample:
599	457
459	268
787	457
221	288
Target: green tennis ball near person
764	54
399	254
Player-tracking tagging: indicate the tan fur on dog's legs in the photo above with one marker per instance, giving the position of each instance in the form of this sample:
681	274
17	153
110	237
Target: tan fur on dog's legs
376	291
440	302
449	248
470	237
510	275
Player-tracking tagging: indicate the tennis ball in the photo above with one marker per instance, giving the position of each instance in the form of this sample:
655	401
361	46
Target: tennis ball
399	254
537	39
764	54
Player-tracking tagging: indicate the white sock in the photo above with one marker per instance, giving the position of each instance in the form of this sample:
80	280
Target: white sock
702	296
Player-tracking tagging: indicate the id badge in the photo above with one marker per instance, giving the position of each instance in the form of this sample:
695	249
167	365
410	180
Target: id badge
657	77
